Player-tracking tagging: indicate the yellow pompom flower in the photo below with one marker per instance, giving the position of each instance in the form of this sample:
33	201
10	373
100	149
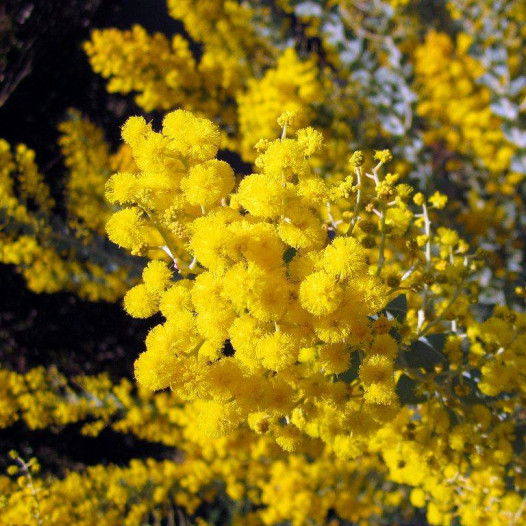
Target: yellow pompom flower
310	140
320	294
156	369
277	351
262	195
176	299
156	276
211	237
303	264
217	419
334	359
194	137
302	230
313	191
347	447
376	373
256	242
288	438
438	200
384	345
140	303
380	393
135	130
208	182
124	227
344	257
244	334
121	188
376	369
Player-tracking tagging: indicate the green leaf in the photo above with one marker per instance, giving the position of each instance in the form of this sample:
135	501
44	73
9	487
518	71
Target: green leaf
405	389
397	308
437	341
427	352
289	254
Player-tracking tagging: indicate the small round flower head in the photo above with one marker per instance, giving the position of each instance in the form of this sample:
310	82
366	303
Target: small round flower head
313	190
156	276
287	118
156	369
244	332
176	299
288	438
261	145
210	237
384	156
271	299
256	242
139	303
381	393
383	413
277	351
196	138
151	154
376	369
357	159
320	294
344	257
310	140
419	199
438	200
208	182
332	328
121	188
262	195
124	226
302	230
385	345
217	419
303	264
347	447
135	130
334	359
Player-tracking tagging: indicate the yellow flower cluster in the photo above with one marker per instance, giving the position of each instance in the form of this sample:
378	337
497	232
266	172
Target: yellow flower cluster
267	298
275	308
43	398
165	74
319	355
230	43
350	66
446	77
292	84
87	157
31	237
143	491
464	456
252	470
454	441
162	72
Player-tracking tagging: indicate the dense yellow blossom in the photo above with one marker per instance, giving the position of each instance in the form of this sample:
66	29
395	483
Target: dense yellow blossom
469	125
324	350
293	323
292	85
